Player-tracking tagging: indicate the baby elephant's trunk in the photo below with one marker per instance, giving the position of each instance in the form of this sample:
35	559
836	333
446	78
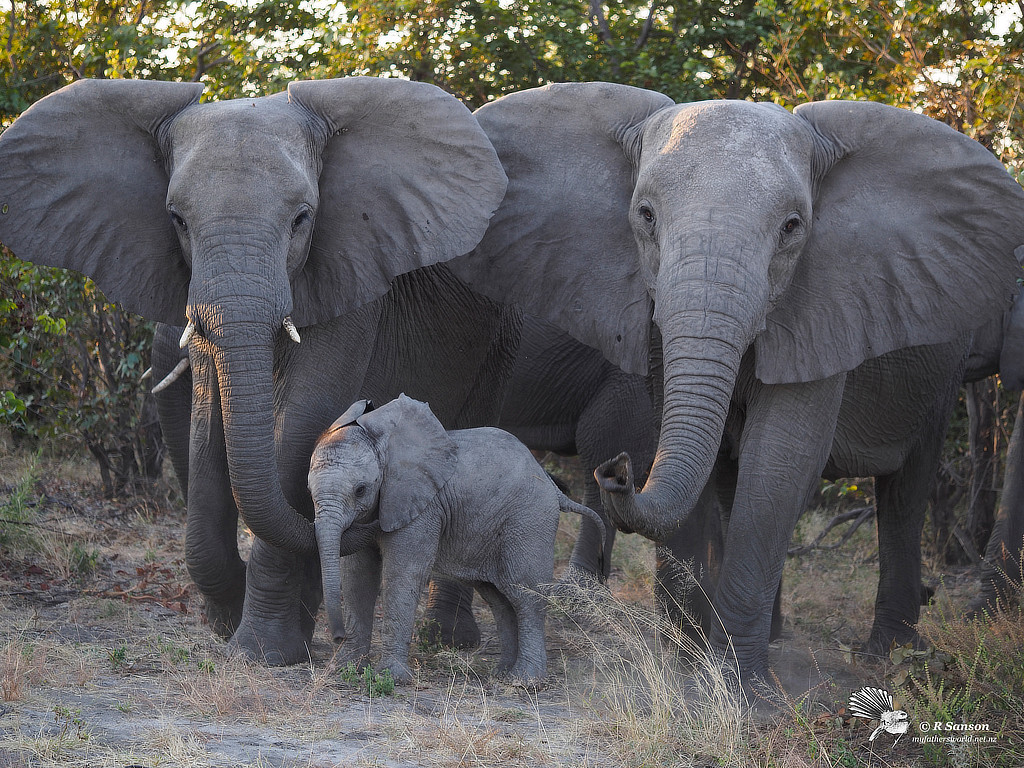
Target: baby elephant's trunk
565	504
329	530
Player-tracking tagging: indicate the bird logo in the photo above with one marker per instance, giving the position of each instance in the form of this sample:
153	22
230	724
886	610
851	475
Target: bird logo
876	704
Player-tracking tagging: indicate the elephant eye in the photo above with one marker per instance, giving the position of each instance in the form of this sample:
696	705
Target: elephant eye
301	219
360	491
179	222
647	214
792	225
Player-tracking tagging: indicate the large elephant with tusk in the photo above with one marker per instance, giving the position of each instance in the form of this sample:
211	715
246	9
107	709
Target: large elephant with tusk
299	238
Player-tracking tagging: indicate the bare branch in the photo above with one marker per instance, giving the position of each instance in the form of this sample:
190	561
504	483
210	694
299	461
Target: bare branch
645	32
859	516
604	32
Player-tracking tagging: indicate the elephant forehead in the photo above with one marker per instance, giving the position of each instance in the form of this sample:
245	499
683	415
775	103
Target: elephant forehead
344	447
711	142
254	133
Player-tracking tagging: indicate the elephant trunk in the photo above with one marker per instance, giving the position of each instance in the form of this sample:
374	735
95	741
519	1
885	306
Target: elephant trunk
241	340
706	325
331	524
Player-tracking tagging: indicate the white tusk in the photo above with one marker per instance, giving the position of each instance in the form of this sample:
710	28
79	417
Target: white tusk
187	335
173	376
293	332
145	375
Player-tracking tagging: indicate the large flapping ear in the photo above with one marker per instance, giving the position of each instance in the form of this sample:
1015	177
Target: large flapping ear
408	179
83	185
912	242
561	244
417	455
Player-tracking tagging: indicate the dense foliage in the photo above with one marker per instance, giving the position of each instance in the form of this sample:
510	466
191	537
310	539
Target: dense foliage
70	362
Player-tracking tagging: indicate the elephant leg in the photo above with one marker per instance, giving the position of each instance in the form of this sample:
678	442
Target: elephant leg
530	612
174	402
360	586
1001	569
506	624
211	529
783	449
449	609
620	417
272	629
901	501
688	565
408	559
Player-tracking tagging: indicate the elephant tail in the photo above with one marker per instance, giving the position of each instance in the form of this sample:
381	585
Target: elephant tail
565	504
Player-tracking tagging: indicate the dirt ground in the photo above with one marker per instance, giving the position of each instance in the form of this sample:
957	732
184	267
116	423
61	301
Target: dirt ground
106	661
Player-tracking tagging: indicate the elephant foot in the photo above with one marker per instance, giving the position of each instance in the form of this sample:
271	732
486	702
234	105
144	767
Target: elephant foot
528	676
223	617
399	670
274	646
881	642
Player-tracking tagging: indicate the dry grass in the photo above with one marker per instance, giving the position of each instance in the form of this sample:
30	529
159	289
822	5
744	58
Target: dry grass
111	665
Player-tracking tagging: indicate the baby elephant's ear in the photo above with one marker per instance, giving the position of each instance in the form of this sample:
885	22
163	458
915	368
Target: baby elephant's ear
352	413
417	454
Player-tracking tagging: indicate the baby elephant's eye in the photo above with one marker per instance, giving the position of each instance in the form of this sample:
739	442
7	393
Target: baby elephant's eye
360	491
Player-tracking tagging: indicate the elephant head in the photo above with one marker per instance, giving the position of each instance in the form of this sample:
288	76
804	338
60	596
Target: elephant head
810	240
381	467
246	218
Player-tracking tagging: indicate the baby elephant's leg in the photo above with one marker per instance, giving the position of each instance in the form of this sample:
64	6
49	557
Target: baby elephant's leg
406	571
360	584
530	610
507	625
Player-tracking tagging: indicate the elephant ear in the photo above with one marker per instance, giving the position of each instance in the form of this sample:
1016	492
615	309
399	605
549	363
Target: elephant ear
561	244
1011	354
417	454
912	242
352	414
408	179
83	186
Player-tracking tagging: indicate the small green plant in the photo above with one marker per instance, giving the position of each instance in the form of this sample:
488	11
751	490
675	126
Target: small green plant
207	666
118	657
82	561
428	637
375	684
125	706
178	654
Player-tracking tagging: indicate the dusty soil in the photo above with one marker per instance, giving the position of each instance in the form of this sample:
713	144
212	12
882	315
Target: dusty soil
106	661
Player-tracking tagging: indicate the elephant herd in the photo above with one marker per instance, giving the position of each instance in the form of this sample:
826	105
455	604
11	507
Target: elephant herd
724	300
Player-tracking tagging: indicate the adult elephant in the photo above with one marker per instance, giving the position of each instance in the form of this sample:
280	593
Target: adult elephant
323	215
777	252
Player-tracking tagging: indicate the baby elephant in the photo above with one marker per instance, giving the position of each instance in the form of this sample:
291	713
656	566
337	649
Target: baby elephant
471	504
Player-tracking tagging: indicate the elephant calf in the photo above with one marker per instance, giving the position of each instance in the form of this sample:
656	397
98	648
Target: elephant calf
470	504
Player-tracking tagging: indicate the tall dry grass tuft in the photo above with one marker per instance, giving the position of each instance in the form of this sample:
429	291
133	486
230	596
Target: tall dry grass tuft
659	694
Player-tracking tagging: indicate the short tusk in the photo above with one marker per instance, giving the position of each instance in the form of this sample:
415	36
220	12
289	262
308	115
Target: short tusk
173	376
145	375
187	335
293	332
